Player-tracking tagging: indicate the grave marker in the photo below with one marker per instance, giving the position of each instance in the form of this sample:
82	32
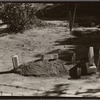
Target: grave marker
15	61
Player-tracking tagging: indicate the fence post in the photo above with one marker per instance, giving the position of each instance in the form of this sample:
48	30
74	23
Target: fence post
15	61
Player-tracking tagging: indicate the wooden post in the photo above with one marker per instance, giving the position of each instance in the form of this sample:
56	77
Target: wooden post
74	15
15	61
73	57
70	20
91	56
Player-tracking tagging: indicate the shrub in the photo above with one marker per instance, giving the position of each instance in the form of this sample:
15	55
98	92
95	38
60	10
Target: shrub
18	16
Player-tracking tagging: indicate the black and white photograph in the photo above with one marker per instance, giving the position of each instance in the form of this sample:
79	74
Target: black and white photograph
50	49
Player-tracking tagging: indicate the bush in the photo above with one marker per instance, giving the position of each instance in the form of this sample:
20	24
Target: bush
18	16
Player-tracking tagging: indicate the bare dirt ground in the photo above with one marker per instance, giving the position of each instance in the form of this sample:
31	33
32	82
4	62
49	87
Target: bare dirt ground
28	47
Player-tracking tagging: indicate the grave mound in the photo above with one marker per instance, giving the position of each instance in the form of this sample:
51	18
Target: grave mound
43	68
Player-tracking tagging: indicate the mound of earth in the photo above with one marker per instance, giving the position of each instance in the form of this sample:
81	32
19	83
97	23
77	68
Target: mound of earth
43	68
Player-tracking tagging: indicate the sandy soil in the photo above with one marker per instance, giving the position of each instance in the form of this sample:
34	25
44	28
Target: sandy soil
28	47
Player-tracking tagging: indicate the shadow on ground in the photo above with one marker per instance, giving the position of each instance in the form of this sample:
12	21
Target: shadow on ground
4	32
79	43
58	90
7	72
89	91
81	40
7	30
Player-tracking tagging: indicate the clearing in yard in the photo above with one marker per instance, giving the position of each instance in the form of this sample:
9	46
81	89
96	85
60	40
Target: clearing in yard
49	40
